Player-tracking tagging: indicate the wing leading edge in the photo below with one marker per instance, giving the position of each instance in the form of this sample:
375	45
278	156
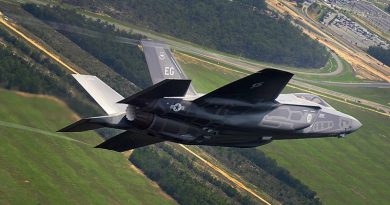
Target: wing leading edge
103	94
263	86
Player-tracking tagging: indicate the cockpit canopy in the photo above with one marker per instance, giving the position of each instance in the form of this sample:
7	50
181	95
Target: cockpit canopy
312	98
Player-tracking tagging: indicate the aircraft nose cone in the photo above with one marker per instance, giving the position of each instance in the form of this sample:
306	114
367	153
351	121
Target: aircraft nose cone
355	125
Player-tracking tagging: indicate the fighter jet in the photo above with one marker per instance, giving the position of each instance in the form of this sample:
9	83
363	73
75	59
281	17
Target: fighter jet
246	113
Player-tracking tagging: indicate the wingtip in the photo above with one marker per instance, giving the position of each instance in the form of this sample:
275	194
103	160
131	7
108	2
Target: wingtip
122	101
62	130
276	70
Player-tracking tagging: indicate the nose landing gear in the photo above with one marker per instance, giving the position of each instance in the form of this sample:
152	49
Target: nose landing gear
342	135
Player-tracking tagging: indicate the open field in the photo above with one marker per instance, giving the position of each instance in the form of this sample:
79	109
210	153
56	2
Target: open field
185	46
342	171
347	75
338	91
177	43
38	166
368	67
378	95
203	74
211	82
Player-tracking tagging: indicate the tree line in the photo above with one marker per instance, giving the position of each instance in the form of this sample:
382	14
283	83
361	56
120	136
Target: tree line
187	183
127	60
383	55
35	73
252	164
242	27
29	77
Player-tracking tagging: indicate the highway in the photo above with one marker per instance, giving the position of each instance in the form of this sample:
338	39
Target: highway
356	59
72	70
254	67
309	88
214	167
342	84
215	55
251	66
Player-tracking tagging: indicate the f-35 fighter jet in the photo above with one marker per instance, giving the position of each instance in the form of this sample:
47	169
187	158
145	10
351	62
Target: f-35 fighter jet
246	113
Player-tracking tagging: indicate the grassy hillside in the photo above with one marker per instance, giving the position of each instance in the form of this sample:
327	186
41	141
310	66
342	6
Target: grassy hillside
70	52
127	60
179	174
342	171
38	166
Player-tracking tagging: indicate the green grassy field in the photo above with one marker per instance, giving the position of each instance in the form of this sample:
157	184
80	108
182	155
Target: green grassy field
347	75
353	170
206	77
378	95
39	166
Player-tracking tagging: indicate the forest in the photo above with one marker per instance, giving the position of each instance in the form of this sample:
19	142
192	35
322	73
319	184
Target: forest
37	74
383	55
253	165
40	75
178	176
127	60
244	28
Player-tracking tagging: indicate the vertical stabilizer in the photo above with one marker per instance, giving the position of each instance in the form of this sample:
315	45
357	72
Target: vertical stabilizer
161	63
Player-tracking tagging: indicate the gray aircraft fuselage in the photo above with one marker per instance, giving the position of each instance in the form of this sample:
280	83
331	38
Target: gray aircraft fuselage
248	112
236	124
245	113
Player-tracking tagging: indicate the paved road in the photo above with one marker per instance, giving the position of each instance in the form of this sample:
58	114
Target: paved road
253	67
214	167
219	57
353	55
234	61
347	99
59	60
309	88
341	84
245	64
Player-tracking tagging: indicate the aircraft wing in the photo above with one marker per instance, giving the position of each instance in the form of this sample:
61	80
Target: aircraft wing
161	63
128	140
263	86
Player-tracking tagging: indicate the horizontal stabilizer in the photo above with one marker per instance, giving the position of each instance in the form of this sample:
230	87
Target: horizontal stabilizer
103	94
80	126
116	121
165	88
128	140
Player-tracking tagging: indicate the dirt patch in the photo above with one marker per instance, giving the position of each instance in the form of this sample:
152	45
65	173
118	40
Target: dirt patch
364	74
